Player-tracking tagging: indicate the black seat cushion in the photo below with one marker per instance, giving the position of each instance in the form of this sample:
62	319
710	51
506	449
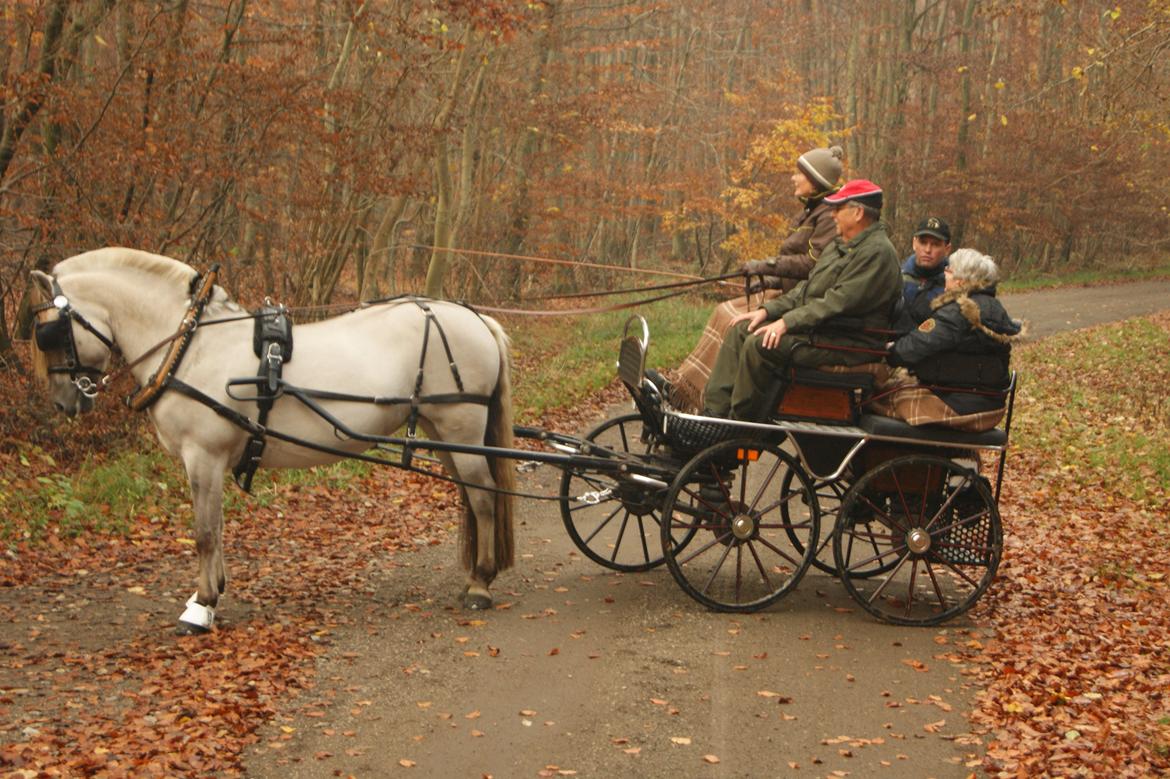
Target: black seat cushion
815	377
935	434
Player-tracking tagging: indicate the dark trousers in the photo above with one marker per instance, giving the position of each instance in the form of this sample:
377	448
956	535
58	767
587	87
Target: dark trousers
745	374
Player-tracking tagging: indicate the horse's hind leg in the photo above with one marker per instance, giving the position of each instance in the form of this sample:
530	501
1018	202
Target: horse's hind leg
479	526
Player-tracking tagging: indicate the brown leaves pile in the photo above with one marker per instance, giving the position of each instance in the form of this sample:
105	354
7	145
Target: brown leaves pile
1079	674
147	703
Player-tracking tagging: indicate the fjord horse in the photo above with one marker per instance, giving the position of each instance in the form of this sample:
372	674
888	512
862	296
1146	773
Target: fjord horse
130	301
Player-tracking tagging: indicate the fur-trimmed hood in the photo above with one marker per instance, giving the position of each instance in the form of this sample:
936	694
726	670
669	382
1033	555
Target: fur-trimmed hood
985	313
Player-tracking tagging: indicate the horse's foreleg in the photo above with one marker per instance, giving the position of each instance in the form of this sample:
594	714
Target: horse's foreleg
206	476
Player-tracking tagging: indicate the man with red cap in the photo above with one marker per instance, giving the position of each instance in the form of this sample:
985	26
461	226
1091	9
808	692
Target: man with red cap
857	276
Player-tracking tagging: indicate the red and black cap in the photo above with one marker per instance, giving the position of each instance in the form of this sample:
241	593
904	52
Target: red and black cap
862	191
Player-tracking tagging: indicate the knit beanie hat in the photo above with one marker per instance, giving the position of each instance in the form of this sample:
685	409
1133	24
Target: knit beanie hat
822	166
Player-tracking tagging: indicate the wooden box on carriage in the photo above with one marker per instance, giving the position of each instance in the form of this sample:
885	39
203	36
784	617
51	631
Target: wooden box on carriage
823	404
831	394
910	480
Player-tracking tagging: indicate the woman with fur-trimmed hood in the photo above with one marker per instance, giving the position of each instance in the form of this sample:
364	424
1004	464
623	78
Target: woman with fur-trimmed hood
964	345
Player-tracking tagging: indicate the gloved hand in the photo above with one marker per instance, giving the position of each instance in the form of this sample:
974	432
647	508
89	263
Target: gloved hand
762	283
758	267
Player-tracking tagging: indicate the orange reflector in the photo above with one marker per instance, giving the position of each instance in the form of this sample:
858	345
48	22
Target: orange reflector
748	455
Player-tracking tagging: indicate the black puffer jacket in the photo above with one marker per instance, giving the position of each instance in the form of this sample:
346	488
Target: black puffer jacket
966	343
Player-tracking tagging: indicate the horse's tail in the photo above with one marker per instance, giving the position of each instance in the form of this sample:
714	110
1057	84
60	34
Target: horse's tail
499	433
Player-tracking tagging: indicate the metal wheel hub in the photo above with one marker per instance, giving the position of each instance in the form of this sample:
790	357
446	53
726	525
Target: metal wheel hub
918	541
743	527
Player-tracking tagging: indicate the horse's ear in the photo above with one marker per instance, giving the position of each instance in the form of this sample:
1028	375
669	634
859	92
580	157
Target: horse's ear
44	283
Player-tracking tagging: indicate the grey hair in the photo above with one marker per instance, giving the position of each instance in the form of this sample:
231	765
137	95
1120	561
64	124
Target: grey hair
973	268
873	214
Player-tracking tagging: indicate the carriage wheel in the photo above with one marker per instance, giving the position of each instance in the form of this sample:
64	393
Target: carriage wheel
744	556
828	495
620	530
918	540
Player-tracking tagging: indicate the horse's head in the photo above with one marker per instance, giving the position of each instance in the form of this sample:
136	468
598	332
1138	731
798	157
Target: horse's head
70	349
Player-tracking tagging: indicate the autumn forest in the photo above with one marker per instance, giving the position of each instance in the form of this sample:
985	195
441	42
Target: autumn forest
331	151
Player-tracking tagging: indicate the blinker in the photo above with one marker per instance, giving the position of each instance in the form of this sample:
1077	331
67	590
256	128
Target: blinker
53	336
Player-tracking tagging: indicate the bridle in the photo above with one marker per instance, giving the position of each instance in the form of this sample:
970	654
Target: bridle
56	335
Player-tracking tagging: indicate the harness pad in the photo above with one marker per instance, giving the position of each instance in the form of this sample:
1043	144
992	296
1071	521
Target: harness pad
272	342
273	326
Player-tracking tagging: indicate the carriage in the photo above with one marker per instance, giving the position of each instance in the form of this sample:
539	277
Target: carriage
902	515
737	511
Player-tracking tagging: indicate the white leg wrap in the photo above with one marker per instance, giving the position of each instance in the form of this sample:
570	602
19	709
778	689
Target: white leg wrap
197	614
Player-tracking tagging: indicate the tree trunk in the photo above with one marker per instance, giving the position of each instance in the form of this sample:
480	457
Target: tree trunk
441	253
47	68
518	216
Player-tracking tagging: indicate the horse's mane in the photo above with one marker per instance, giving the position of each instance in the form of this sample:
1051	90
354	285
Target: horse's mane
119	257
40	363
163	268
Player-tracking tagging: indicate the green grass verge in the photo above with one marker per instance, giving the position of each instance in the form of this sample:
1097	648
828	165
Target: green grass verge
1082	278
109	495
103	495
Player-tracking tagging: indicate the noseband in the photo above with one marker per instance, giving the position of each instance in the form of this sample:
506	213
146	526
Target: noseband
57	336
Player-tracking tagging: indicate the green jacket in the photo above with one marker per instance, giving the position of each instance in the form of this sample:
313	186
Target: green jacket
857	279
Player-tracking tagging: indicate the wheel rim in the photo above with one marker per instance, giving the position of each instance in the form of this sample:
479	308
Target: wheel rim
621	530
918	540
743	557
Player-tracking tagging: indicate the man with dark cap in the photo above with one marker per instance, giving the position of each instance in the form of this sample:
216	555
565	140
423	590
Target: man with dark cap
923	273
856	276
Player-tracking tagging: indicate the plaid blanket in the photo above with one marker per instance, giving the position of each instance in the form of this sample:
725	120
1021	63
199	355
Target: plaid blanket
691	377
904	398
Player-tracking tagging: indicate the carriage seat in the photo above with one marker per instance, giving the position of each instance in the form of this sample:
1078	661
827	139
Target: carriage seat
878	425
830	393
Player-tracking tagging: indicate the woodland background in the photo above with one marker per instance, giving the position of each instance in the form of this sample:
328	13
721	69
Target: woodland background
320	149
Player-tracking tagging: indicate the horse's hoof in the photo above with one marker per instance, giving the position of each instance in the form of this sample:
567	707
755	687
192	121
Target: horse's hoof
196	619
190	629
477	601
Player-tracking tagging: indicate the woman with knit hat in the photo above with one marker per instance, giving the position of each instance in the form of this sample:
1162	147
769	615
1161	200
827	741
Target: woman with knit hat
811	230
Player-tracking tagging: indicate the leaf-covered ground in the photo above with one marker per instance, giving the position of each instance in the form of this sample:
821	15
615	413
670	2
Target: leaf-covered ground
1078	678
91	680
1075	680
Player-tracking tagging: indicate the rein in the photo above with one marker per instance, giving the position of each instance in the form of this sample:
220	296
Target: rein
627	290
590	310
